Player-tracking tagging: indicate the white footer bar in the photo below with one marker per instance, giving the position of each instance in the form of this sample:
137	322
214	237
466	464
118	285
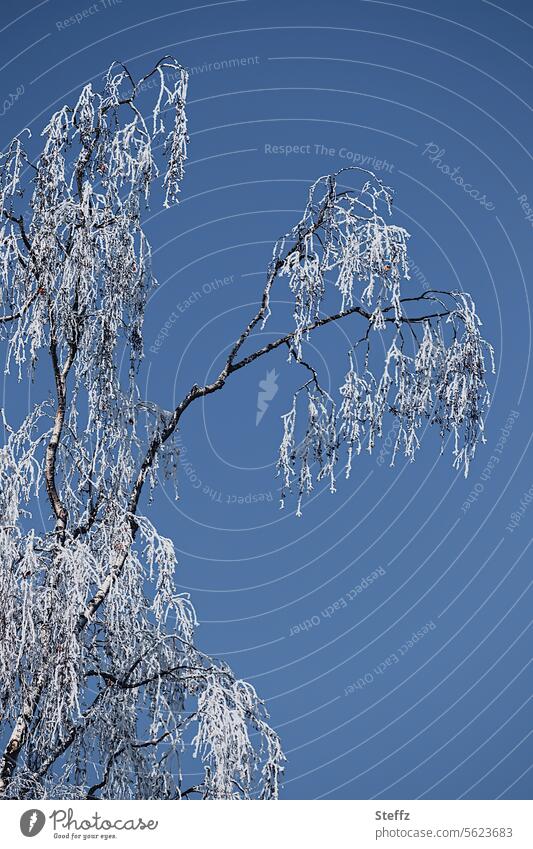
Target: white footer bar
263	825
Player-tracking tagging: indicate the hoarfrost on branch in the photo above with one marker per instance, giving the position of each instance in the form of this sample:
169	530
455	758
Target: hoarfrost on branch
102	683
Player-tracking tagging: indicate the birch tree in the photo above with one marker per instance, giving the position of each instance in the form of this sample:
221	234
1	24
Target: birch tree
102	682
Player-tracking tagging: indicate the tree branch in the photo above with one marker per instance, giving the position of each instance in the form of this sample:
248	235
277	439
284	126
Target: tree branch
200	392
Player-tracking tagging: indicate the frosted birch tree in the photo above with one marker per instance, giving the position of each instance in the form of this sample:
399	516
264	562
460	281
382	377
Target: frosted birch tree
102	683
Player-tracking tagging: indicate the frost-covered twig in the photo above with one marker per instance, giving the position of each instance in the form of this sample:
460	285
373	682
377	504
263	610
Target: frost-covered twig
102	683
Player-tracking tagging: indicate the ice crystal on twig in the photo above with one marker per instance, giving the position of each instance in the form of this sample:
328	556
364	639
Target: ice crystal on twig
319	444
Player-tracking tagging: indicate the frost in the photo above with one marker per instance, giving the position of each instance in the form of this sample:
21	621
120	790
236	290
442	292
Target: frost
319	444
443	383
343	235
227	709
344	244
101	683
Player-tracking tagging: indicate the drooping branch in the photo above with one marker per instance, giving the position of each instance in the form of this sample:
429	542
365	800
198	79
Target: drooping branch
67	279
314	220
95	637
